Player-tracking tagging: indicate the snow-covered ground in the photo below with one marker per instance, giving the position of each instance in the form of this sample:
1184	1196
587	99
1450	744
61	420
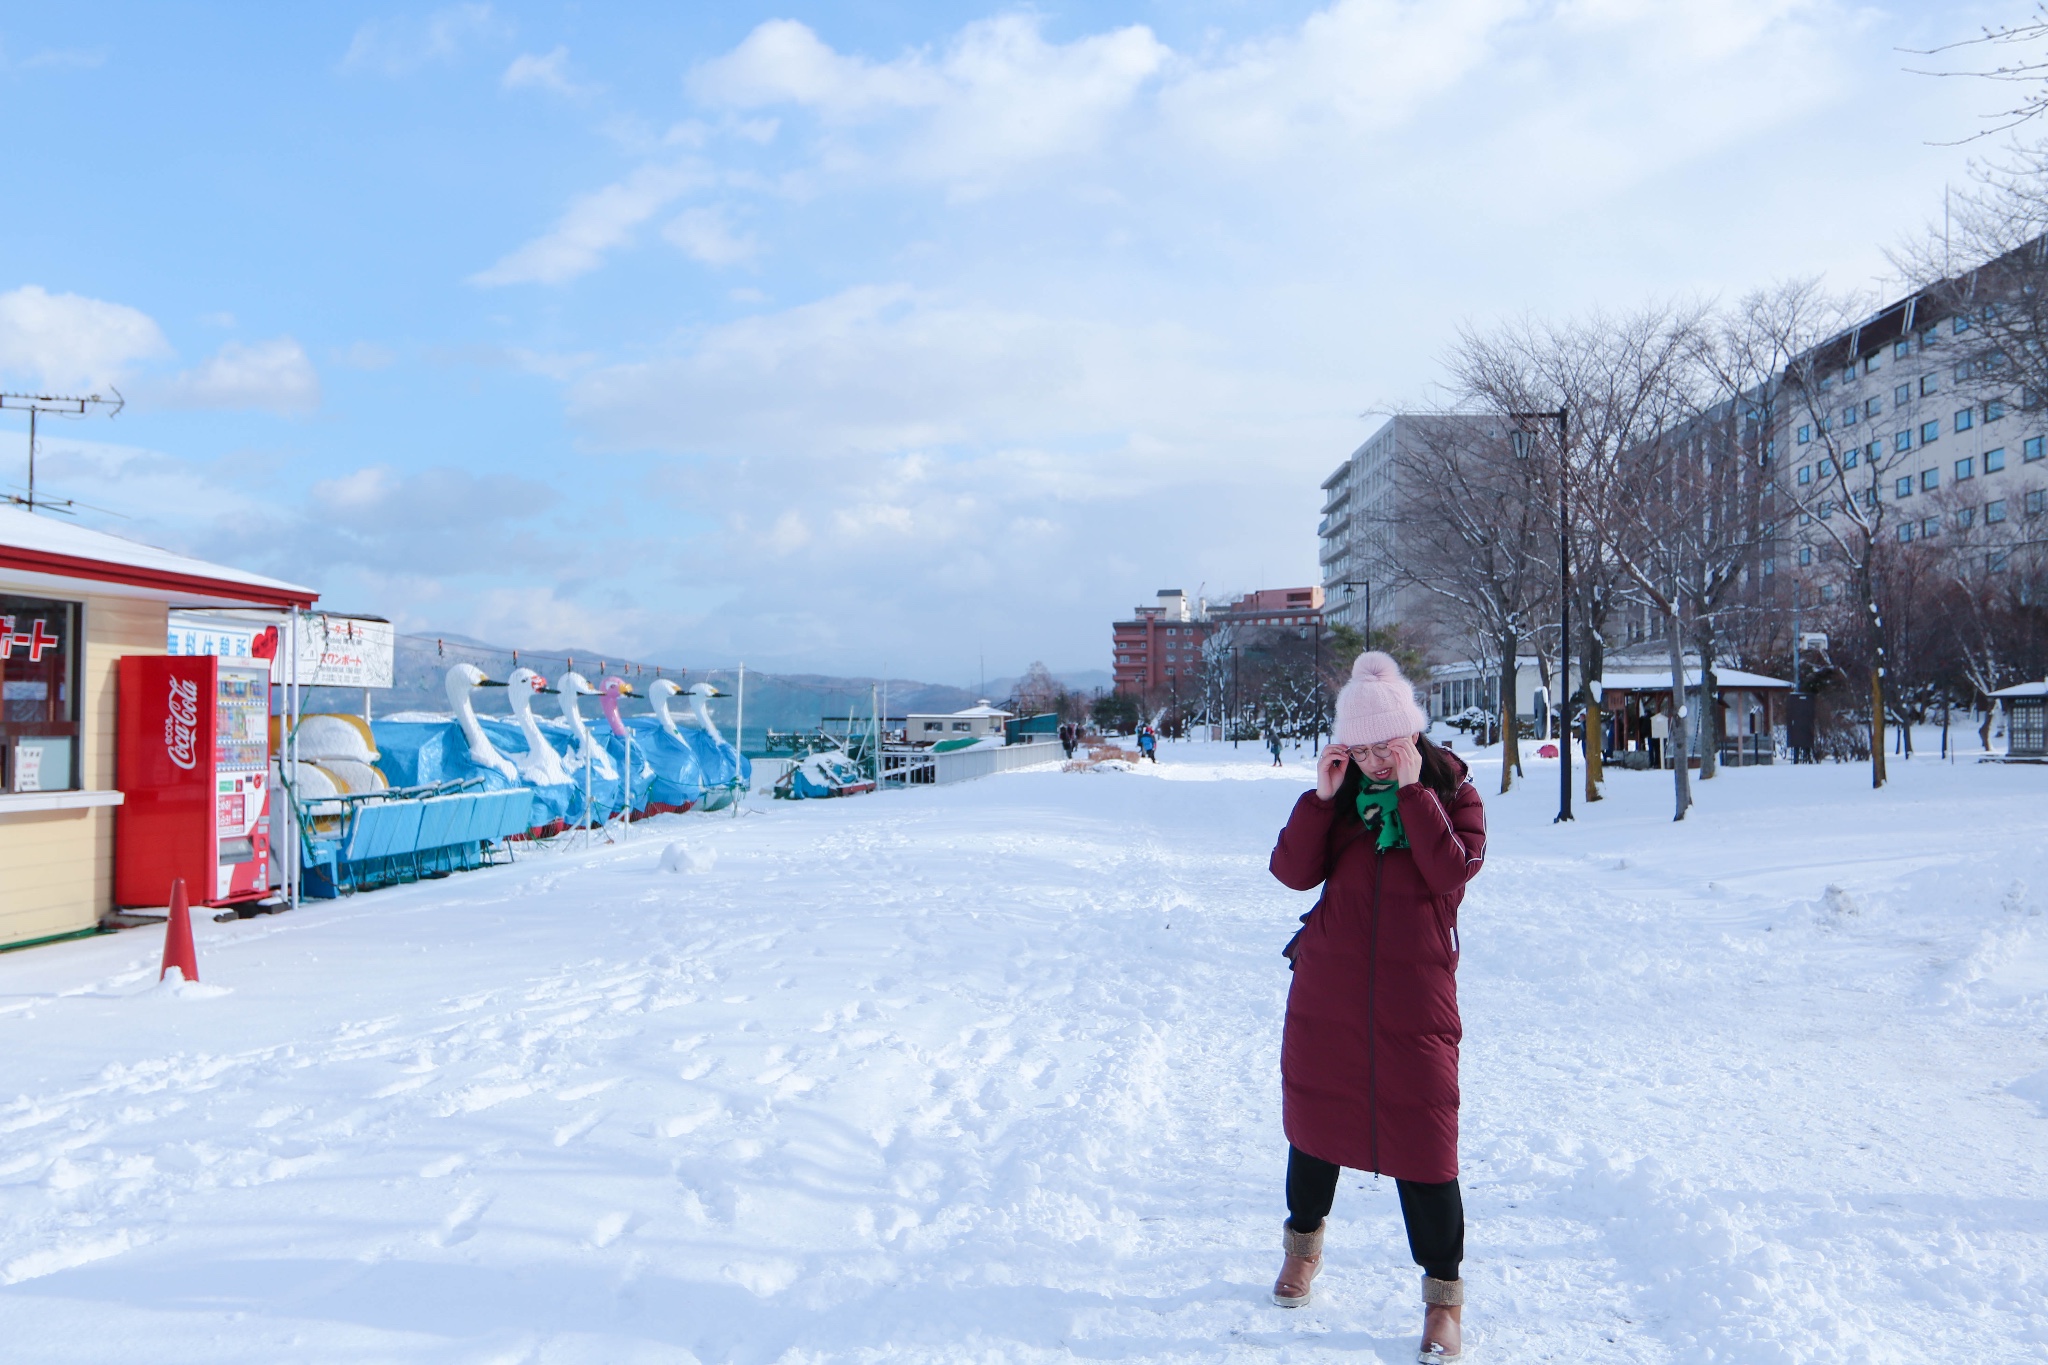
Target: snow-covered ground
988	1073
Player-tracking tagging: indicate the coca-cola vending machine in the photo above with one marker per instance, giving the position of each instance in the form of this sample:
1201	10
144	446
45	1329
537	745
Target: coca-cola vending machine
193	763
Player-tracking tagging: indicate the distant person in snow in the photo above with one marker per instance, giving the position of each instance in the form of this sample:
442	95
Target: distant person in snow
1273	744
1148	743
1070	735
1369	1053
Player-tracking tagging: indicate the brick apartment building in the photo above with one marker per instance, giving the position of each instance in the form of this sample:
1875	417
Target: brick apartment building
1160	647
1161	644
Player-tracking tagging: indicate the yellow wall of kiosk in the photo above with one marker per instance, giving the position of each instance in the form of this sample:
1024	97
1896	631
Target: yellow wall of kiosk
57	866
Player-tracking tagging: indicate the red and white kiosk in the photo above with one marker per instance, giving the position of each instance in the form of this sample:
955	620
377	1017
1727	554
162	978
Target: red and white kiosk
73	603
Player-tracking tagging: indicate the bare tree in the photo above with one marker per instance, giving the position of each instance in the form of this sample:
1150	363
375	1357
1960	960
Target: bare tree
1472	525
1619	379
1832	470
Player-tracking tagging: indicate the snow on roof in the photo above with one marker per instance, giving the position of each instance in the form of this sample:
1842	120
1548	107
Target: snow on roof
1661	681
2032	689
46	545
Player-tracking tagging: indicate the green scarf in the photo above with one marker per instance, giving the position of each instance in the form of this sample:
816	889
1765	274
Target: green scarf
1379	806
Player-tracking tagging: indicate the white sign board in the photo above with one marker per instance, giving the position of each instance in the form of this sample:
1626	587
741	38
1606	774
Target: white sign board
341	651
334	651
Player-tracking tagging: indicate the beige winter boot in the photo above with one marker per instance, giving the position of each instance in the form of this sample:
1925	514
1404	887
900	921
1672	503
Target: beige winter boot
1304	1252
1443	1329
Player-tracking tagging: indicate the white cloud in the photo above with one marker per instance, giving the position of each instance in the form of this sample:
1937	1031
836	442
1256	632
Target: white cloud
882	370
549	72
272	375
395	47
592	226
1356	67
703	235
1000	97
70	341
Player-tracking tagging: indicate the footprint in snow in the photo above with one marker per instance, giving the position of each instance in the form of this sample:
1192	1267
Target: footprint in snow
461	1225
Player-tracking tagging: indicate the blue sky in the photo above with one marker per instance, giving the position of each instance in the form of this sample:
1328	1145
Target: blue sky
864	337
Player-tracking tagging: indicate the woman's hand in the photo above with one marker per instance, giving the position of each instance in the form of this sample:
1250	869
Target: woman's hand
1407	761
1330	771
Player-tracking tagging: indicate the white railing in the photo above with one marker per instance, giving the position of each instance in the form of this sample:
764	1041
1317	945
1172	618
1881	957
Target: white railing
921	767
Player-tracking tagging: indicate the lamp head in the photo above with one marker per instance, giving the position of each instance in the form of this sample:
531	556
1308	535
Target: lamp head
1522	439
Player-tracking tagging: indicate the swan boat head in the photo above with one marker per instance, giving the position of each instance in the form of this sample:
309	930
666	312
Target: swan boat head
462	679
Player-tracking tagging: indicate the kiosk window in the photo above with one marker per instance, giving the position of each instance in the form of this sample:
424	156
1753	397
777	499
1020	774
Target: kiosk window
39	749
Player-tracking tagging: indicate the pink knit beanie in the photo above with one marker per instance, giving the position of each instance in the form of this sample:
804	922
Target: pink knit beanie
1377	704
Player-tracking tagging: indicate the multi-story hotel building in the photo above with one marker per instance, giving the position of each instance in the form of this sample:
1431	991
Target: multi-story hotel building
1360	530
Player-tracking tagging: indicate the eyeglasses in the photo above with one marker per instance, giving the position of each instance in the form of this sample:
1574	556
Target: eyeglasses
1364	751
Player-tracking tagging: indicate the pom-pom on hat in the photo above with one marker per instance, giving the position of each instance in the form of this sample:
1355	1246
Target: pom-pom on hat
1378	704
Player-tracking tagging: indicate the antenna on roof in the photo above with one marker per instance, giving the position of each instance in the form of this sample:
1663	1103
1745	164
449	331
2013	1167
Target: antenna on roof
62	406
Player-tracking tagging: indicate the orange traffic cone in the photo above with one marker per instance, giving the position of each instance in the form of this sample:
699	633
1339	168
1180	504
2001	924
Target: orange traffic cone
178	949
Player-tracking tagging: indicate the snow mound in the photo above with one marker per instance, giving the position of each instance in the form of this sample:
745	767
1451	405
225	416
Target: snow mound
2034	1090
177	987
680	857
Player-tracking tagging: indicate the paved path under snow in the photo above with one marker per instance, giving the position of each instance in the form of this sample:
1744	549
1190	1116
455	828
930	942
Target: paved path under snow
989	1074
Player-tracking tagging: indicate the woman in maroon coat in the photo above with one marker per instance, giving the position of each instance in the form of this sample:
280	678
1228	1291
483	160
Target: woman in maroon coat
1369	1059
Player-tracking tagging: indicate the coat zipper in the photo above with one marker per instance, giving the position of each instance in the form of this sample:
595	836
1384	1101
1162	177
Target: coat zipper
1372	1022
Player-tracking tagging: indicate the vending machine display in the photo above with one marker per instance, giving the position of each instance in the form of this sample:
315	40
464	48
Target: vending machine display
193	765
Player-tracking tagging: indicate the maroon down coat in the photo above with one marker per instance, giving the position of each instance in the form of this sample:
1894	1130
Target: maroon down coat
1369	1058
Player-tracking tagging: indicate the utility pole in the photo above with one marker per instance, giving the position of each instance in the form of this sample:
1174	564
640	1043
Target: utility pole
1522	442
61	405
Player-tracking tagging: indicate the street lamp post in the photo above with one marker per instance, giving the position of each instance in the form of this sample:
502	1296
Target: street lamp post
1524	440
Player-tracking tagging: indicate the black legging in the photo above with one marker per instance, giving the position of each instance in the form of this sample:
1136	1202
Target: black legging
1435	1214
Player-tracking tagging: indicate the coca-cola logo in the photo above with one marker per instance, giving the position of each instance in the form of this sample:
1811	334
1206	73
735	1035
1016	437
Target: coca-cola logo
181	723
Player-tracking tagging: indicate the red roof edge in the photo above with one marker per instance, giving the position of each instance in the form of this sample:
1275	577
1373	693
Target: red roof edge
42	561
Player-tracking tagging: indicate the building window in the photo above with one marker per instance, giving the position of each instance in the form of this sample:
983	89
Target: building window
1873	407
1928	384
1994	512
1851	456
1964	470
1849	375
1961	324
1770	566
1930	527
1902	349
1902	395
1993	410
1805	557
2037	500
39	734
1963	419
1904	488
1995	562
1929	338
1805	519
1994	460
1930	479
1965	518
1805	435
1849	415
1902	440
2033	447
1929	431
1905	533
1827	508
1826	468
1872	362
1805	476
1962	371
1827	592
